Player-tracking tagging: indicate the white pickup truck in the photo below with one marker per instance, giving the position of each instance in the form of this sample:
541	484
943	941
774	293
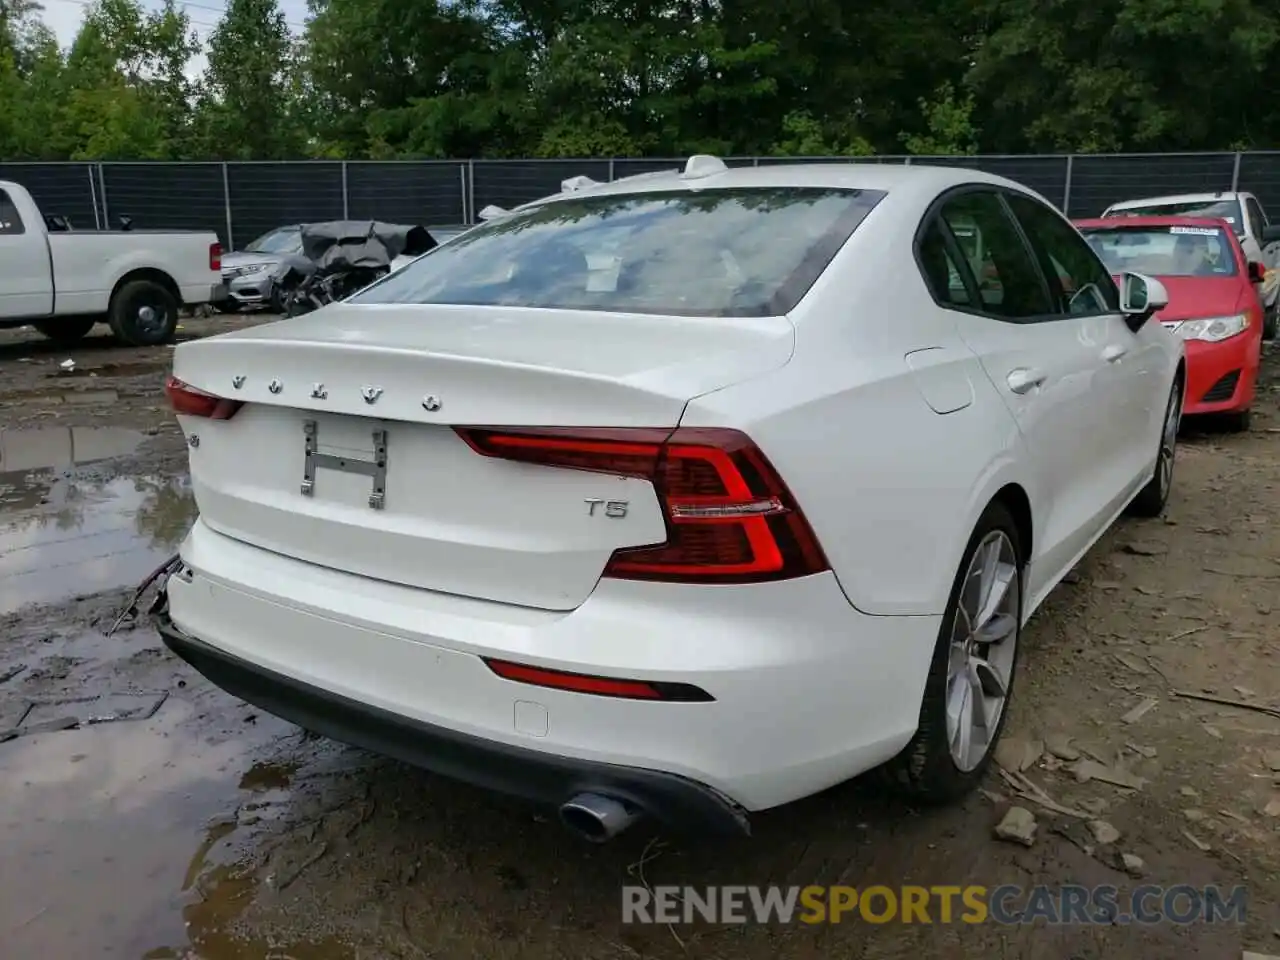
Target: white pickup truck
63	281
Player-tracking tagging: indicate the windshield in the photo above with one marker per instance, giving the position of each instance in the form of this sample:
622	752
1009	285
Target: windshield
280	240
1228	210
729	252
1165	251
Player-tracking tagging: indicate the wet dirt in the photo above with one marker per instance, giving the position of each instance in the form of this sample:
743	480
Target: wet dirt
143	813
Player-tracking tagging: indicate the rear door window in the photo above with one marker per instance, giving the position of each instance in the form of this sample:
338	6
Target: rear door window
728	252
1008	279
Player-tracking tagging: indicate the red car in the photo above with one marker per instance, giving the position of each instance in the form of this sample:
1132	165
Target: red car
1214	301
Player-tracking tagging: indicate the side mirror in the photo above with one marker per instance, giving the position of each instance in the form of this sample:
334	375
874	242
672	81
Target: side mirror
1270	234
1141	297
1257	272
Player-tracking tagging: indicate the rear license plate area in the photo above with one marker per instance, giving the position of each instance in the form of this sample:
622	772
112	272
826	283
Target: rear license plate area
348	455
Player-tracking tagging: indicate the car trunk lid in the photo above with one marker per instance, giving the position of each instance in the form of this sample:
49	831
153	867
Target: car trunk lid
357	404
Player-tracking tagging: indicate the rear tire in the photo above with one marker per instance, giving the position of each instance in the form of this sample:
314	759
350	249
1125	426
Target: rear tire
144	314
68	331
1270	321
1150	502
965	670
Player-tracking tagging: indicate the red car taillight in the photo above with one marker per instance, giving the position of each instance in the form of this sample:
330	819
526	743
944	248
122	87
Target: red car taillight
215	257
192	402
729	516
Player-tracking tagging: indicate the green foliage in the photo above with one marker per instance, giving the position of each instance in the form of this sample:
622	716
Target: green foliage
392	79
949	127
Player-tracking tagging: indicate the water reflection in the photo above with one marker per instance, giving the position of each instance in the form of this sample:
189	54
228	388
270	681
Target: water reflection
64	534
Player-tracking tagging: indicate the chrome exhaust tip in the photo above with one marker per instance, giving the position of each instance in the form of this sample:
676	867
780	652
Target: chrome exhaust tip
597	818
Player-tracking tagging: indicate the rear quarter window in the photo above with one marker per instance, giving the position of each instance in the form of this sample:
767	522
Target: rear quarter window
713	252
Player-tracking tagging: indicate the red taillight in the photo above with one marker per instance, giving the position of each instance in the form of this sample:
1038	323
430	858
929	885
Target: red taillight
215	257
188	400
600	686
729	516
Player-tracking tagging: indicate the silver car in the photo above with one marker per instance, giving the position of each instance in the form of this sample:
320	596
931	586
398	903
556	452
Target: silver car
247	273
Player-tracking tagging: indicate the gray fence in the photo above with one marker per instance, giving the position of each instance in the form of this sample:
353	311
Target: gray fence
239	201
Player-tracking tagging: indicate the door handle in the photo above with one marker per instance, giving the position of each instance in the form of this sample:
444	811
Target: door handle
1024	380
1114	352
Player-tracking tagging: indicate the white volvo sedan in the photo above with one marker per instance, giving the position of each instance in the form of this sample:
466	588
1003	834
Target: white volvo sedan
756	502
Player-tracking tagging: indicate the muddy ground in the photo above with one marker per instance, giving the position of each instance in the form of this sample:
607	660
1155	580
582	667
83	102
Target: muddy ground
186	824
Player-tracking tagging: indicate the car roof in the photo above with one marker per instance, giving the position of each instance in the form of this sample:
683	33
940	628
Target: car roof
903	181
1121	223
1176	198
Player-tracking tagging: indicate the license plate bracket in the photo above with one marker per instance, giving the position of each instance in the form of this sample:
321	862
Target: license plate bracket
375	469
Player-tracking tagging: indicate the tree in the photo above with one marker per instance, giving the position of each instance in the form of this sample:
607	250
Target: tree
247	108
124	93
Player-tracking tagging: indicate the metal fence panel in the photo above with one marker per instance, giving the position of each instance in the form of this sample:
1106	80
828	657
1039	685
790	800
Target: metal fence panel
634	167
60	189
262	196
166	196
509	183
1260	174
269	195
880	158
431	192
1046	175
1097	181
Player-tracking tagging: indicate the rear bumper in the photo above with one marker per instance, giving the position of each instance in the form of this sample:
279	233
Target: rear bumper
1221	377
807	692
536	776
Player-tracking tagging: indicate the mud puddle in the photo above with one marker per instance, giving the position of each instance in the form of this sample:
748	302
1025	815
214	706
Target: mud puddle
121	839
66	530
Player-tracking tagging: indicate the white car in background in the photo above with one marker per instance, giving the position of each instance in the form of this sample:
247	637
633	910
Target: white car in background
1259	238
767	509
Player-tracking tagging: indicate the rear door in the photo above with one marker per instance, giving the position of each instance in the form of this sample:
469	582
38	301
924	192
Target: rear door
26	279
1045	365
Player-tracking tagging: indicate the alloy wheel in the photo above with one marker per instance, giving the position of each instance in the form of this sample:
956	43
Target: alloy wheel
984	637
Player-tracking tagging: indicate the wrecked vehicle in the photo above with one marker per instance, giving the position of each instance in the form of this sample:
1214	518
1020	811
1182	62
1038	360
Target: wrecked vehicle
340	257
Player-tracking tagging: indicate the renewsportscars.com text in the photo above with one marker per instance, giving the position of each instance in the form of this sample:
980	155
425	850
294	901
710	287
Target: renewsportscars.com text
971	904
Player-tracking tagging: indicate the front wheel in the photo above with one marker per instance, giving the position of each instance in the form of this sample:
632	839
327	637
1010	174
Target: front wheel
1150	502
970	680
1270	320
143	314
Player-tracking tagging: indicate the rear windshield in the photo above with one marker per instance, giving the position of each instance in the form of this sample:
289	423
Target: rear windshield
1228	210
1165	251
739	252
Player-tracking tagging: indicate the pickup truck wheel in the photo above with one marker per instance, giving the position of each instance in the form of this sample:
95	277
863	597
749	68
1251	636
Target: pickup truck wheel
143	314
66	331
